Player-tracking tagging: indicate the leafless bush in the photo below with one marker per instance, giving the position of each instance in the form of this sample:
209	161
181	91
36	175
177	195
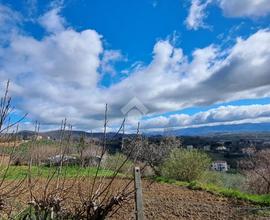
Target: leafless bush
8	133
89	151
257	169
154	154
97	196
47	195
41	153
114	160
101	200
50	197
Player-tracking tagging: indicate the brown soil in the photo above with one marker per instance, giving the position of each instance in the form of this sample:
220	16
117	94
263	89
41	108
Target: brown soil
165	201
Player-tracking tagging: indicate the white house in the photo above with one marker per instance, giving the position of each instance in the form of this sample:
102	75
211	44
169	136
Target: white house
39	137
221	148
220	165
189	147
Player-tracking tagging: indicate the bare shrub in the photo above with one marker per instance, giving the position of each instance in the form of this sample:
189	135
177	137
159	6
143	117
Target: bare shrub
97	196
89	151
46	196
114	160
8	134
41	153
80	148
257	169
154	154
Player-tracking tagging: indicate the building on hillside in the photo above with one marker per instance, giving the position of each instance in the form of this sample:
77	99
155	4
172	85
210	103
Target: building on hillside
39	137
220	165
221	148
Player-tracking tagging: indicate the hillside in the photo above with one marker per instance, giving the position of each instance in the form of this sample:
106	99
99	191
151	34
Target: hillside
221	129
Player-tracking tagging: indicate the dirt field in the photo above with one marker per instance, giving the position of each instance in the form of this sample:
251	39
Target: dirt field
164	201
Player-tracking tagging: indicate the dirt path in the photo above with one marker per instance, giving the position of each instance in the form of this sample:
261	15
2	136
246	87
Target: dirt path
164	201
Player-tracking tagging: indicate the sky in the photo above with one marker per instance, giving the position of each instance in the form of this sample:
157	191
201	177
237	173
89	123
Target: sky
165	63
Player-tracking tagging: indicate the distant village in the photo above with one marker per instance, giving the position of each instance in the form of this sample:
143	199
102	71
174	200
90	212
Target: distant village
228	151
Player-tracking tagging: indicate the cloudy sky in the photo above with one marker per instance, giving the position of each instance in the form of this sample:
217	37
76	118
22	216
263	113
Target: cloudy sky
181	63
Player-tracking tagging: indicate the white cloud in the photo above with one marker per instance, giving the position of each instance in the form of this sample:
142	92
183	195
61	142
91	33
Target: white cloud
245	8
217	116
230	8
58	75
197	14
9	20
108	60
52	22
170	82
56	58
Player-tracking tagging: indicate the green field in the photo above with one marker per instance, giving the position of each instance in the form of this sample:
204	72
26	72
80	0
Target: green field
20	172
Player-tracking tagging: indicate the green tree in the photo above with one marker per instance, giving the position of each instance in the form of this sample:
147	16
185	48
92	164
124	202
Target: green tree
185	165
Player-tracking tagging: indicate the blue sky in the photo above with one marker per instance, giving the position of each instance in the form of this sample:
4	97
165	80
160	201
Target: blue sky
189	62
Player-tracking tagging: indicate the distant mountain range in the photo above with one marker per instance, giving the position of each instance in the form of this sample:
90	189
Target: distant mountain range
56	134
237	128
201	131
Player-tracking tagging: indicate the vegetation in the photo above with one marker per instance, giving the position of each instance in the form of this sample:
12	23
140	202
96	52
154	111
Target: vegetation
115	160
45	190
47	187
225	180
155	153
185	165
257	169
21	172
228	192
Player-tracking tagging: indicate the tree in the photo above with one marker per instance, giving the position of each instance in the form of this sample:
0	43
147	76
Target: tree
81	147
257	169
155	153
113	161
185	165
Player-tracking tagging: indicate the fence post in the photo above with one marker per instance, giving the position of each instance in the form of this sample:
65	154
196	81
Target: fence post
138	194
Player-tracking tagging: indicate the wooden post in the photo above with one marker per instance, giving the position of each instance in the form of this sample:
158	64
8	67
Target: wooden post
138	194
